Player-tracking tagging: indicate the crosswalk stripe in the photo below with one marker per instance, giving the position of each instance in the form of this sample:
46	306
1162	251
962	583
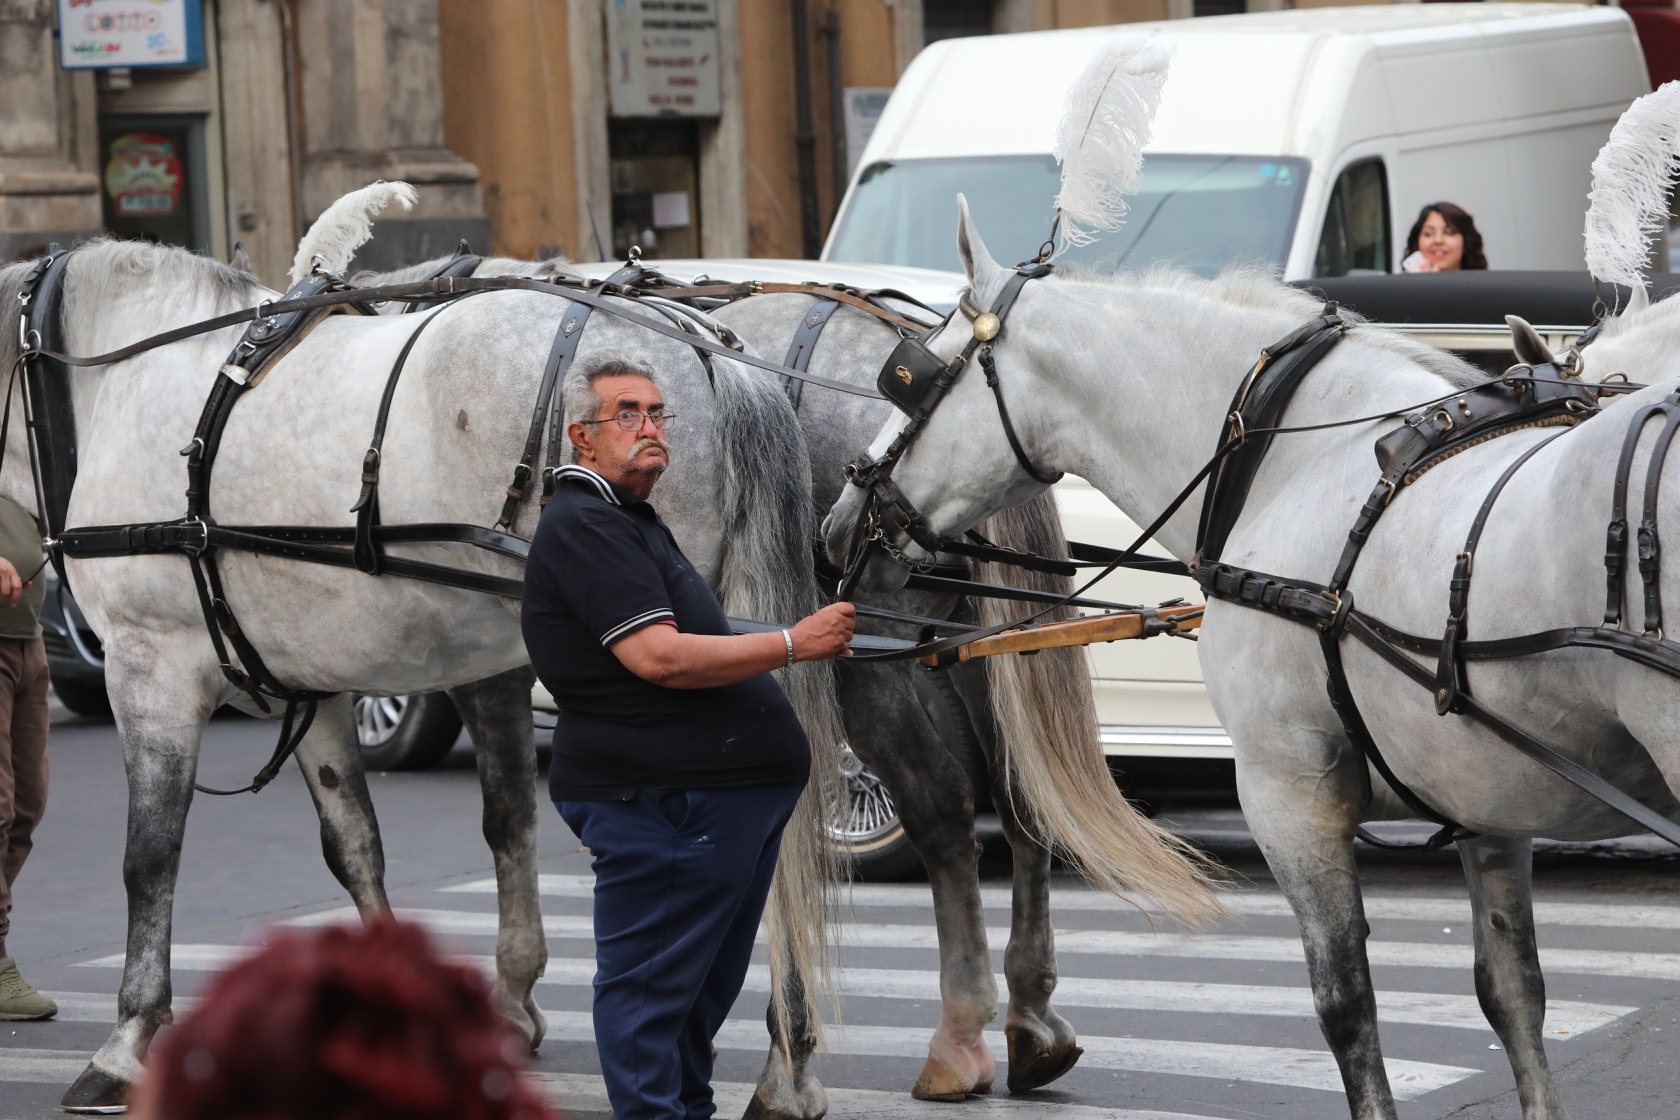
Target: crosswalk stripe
1269	1065
1244	903
1306	1069
53	1067
1398	954
582	1092
185	957
1565	1019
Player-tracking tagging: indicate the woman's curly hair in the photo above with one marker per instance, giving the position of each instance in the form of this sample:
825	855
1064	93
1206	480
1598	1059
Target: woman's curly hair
1459	221
343	1023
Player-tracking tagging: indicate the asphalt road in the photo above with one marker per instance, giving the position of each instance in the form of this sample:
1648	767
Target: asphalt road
1212	1026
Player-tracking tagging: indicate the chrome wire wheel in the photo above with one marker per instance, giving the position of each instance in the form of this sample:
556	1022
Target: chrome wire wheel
866	817
378	718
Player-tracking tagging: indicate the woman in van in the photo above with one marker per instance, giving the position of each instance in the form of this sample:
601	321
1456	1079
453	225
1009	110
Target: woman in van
1443	239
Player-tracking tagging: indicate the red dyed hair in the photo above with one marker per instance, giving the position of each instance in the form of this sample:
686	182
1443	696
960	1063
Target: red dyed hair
351	1022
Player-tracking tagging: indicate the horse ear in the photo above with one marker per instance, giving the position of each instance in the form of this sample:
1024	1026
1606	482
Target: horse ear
976	261
1527	343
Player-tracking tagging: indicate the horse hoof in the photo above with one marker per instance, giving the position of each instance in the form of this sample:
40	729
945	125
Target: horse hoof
1041	1068
539	1024
939	1082
96	1093
810	1106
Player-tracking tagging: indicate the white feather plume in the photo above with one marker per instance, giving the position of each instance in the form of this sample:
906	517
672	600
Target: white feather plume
1104	128
347	225
1632	178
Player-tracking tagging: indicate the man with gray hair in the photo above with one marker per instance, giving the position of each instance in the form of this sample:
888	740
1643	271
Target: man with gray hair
677	760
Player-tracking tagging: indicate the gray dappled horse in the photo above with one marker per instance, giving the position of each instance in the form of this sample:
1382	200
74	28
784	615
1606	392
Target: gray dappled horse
737	493
1126	381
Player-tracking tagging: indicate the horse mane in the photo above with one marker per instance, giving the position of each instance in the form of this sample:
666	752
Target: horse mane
104	257
1656	316
553	269
1253	288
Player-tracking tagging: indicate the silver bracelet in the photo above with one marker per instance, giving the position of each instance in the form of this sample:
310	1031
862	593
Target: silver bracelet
788	638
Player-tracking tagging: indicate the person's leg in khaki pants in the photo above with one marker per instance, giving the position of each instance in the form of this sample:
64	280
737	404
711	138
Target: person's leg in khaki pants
23	799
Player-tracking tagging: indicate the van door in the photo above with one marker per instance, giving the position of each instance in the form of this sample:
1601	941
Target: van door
1355	236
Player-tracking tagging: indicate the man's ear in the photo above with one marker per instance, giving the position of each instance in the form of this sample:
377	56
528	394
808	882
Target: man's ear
579	435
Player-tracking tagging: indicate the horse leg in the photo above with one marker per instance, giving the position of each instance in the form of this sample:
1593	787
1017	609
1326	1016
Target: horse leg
1042	1045
935	799
787	1089
331	763
1509	984
160	728
497	714
1303	813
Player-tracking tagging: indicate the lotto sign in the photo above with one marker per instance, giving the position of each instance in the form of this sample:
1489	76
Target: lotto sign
663	58
100	34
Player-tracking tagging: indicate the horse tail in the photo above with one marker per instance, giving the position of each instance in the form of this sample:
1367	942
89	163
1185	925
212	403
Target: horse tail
1056	776
766	573
347	225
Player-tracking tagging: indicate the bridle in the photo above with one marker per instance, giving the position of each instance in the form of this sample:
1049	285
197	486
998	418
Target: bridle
916	380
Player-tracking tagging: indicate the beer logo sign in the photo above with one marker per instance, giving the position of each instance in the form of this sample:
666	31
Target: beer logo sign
144	178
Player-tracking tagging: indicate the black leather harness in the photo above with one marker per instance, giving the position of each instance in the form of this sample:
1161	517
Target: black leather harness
1525	398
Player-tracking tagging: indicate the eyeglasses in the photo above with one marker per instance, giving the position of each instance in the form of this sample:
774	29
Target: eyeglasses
632	421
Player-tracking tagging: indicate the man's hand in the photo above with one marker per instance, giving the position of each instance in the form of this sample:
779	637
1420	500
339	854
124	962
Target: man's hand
825	634
12	585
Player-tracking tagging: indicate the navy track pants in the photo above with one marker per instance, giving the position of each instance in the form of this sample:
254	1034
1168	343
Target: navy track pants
680	884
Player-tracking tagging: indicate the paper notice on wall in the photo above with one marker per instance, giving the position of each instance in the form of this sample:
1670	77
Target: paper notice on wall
663	58
670	209
863	109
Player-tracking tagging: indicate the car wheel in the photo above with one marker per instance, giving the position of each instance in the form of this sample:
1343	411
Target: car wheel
866	828
406	732
82	698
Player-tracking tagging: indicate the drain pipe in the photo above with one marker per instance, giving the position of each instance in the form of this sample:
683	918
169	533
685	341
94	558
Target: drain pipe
805	137
838	159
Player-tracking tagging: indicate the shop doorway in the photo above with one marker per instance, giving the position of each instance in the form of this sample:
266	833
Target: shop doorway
153	180
655	187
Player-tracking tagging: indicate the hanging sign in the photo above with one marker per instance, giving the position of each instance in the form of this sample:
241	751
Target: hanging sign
144	177
102	34
663	58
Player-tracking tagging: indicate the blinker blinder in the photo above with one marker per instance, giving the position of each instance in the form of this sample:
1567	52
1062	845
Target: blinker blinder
908	379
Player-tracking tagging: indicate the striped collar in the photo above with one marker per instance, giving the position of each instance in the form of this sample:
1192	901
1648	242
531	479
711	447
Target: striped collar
572	472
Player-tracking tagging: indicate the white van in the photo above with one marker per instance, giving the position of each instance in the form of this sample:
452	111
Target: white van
1306	140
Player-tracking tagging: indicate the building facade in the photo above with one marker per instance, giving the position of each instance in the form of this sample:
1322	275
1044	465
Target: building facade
532	128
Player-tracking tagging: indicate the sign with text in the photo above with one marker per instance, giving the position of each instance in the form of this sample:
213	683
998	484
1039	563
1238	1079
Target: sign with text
663	58
104	34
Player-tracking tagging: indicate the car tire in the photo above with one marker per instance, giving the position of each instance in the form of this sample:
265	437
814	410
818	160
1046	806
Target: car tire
869	834
405	732
84	699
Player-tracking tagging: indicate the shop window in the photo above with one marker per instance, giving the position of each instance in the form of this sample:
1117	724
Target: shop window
1356	226
655	187
152	179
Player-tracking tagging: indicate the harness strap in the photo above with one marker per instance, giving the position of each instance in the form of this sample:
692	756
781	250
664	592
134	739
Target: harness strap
565	349
804	344
560	354
1616	536
1451	684
1260	403
826	291
989	365
1650	545
367	551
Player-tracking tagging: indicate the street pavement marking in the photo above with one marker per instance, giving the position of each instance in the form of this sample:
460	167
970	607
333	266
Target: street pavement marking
1265	904
187	957
1401	954
1398	954
1268	1065
583	1092
50	1067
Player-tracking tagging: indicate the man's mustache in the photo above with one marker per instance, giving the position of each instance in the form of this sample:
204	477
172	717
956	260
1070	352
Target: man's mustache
647	443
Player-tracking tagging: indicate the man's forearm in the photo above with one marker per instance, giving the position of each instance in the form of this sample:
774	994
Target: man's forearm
663	656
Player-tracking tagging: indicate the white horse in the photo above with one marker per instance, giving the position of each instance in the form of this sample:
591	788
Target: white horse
737	494
1127	382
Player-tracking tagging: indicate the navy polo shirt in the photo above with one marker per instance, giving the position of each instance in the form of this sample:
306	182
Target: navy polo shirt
602	566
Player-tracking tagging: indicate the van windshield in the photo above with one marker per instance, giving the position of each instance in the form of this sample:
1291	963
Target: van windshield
1197	212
